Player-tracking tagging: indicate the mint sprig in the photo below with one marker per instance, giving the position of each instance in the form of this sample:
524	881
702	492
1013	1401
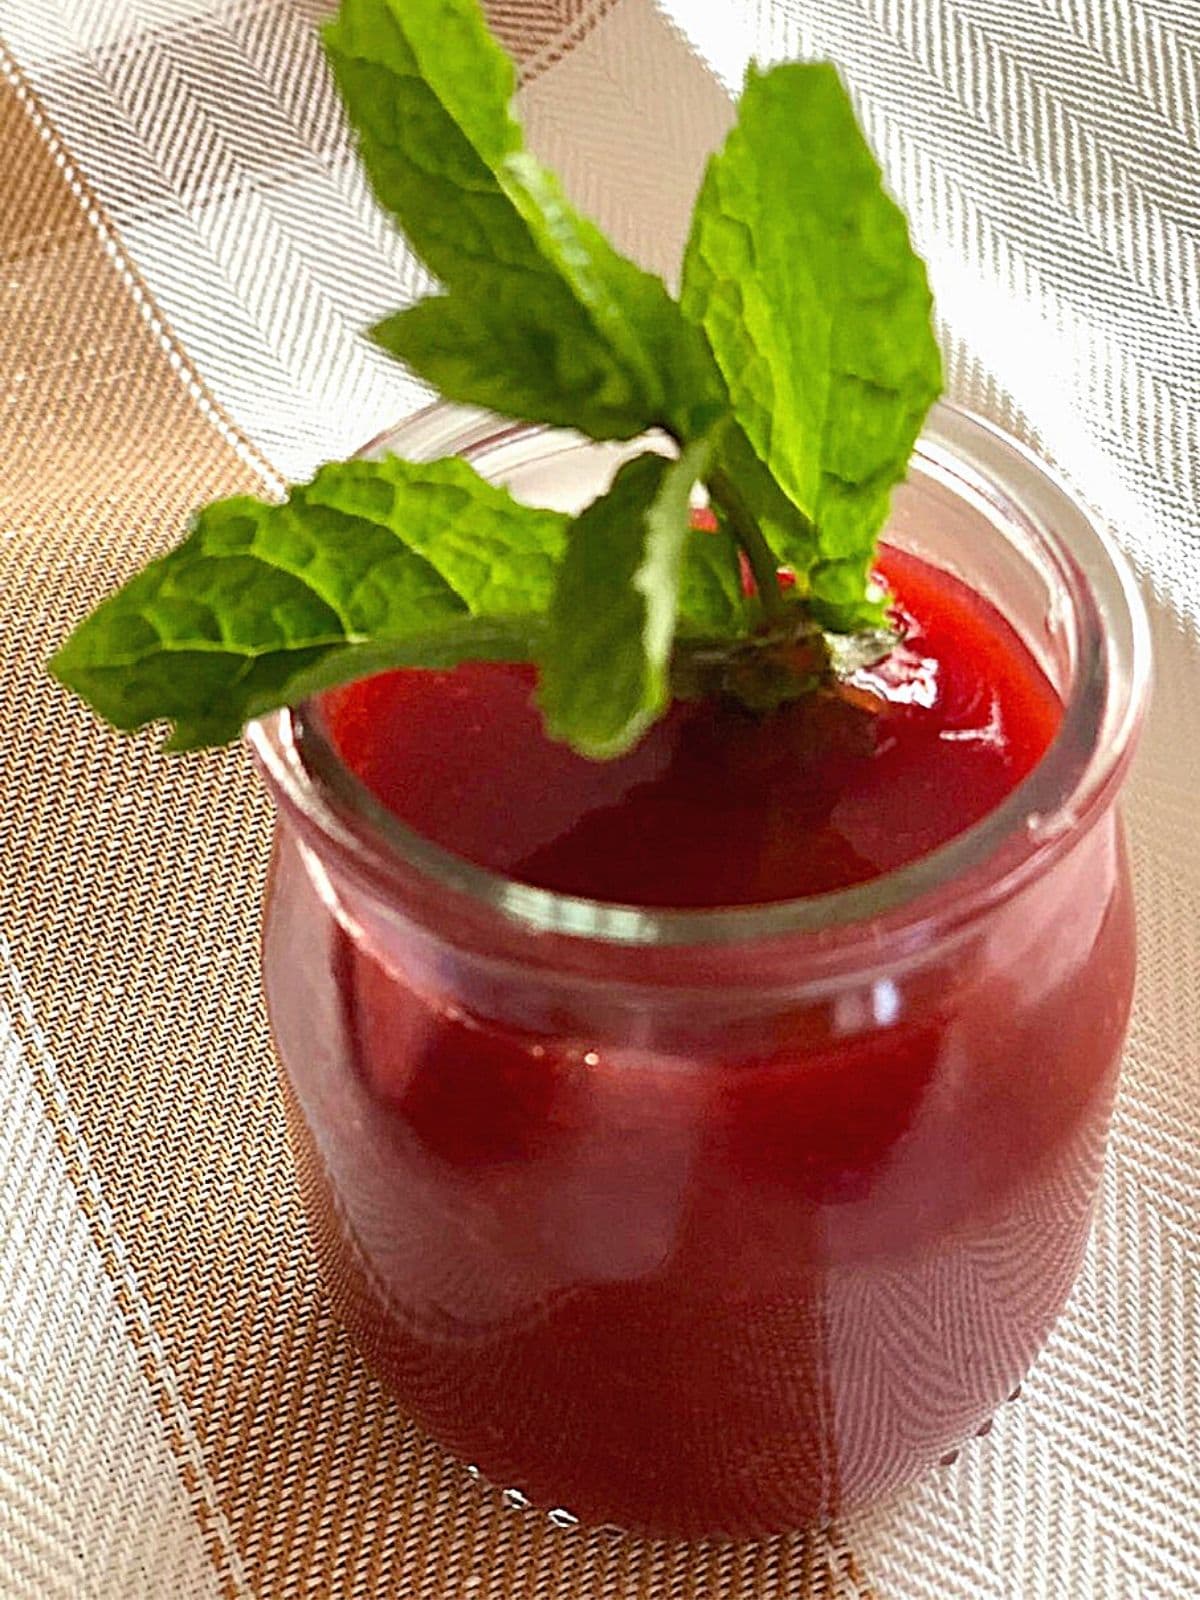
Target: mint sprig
374	564
607	652
800	269
542	318
790	381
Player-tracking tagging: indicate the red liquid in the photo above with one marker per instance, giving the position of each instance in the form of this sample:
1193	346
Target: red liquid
707	1269
716	807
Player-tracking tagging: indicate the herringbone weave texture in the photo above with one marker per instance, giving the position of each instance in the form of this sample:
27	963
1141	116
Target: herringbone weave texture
187	256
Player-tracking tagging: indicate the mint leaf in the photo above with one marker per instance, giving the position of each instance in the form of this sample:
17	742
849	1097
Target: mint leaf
800	269
782	523
712	601
373	564
604	661
794	379
543	319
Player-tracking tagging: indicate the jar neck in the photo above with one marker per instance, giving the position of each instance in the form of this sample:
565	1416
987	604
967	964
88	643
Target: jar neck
977	503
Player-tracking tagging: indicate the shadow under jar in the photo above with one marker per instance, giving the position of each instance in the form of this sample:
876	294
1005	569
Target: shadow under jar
721	1221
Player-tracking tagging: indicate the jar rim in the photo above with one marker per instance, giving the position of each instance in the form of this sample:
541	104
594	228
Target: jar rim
1071	783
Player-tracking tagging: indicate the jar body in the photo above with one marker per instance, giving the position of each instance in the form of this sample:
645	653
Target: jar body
722	1224
672	1259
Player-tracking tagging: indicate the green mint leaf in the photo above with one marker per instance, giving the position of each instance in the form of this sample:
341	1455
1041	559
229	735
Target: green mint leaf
800	269
373	564
712	601
542	318
795	377
605	657
782	523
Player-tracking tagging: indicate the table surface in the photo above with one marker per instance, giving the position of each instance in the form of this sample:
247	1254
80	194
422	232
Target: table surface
188	257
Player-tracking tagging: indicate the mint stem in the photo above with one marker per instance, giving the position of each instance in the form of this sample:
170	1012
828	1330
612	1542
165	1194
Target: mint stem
724	494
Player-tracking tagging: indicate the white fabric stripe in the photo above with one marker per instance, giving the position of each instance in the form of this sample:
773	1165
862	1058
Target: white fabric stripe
91	1500
233	242
1148	51
180	364
213	138
1057	209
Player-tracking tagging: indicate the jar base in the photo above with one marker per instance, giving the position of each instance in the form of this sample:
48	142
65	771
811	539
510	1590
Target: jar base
360	1306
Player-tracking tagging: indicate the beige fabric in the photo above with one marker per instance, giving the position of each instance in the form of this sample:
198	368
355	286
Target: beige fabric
186	259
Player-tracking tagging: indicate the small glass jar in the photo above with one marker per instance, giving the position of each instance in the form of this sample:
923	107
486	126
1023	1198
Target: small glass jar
721	1222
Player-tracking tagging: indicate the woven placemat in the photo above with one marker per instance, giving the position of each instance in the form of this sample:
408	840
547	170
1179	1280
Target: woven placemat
186	257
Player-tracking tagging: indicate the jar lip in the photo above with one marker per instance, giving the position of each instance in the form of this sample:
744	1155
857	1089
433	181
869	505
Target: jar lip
1074	779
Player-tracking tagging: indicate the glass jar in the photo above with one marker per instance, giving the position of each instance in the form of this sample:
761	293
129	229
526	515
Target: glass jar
721	1222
